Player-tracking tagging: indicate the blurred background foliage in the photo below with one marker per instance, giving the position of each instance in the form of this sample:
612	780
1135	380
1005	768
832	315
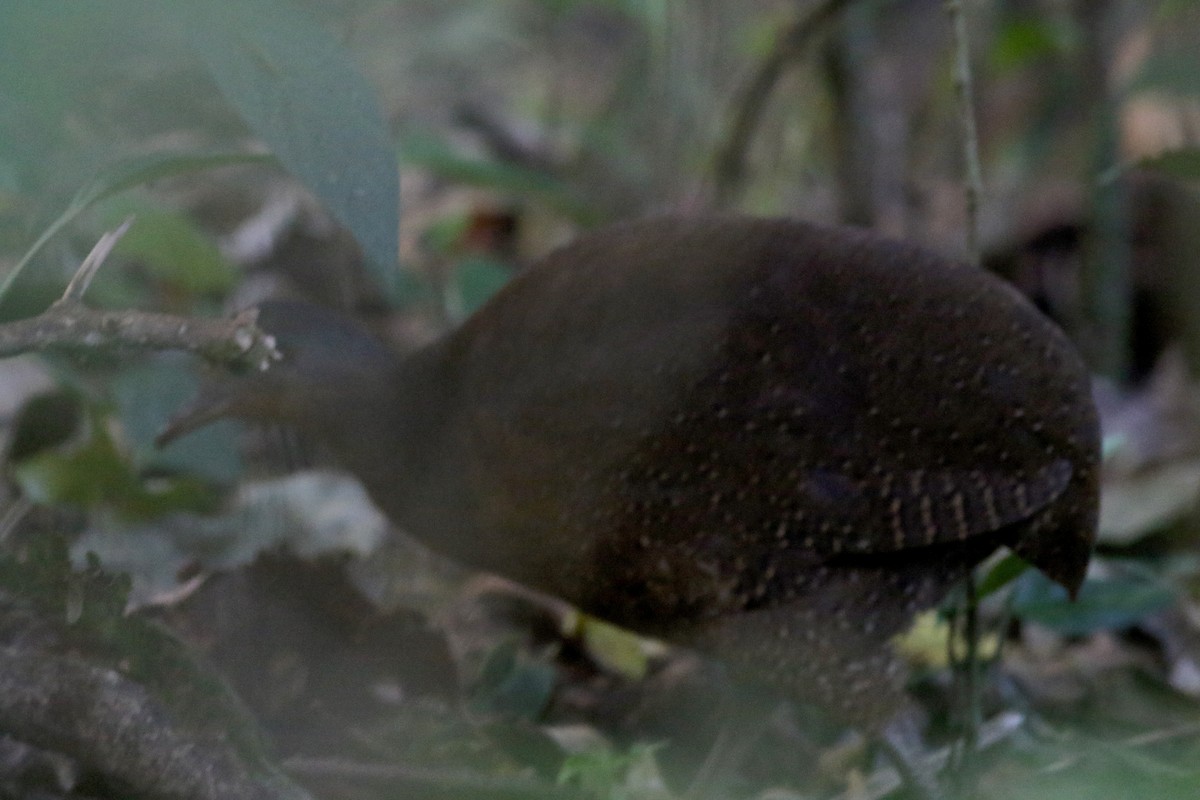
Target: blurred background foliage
263	149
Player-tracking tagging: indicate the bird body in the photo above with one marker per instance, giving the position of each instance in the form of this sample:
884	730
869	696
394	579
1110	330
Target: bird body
770	441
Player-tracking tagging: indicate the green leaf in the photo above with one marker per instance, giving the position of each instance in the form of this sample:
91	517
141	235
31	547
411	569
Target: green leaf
173	249
147	395
607	773
94	474
512	684
45	421
122	175
1025	40
478	280
142	169
1109	604
1183	164
615	648
85	474
297	89
430	152
1011	567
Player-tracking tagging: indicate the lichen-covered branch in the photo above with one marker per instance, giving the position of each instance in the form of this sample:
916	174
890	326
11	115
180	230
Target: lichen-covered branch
70	325
234	342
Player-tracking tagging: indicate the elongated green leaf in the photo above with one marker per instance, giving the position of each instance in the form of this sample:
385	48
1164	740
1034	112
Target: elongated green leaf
297	89
1102	605
1011	567
430	152
122	175
143	169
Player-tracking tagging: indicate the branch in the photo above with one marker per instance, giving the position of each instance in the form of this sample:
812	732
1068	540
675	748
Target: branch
966	111
235	342
113	727
973	191
70	325
730	166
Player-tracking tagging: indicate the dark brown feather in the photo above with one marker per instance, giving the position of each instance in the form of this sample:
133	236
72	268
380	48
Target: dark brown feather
771	441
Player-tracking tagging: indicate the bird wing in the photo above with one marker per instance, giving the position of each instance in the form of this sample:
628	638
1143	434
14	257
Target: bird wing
897	510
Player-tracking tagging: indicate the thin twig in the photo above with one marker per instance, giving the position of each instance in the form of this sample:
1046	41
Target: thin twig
973	193
963	84
87	270
730	163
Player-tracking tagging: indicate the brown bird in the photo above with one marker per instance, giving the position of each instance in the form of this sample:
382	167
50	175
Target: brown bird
769	441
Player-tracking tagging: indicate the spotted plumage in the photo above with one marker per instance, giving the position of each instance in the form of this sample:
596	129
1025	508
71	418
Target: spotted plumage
770	441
